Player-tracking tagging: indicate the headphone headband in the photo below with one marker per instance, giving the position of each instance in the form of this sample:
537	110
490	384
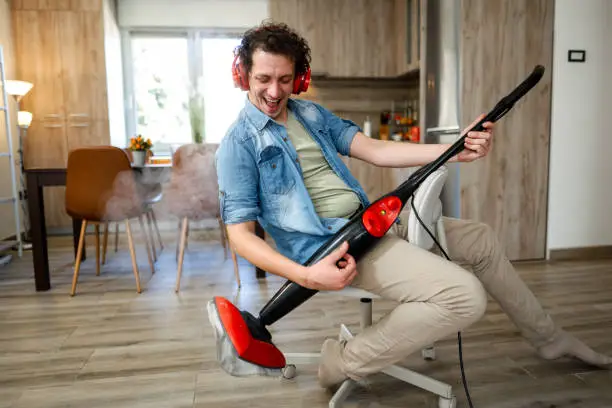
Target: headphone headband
241	78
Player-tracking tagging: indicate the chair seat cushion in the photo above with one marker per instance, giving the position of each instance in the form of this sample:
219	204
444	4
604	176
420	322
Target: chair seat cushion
429	207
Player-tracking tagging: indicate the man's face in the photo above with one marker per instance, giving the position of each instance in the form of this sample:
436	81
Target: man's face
271	83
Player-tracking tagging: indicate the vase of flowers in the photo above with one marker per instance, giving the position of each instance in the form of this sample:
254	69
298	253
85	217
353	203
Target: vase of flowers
139	147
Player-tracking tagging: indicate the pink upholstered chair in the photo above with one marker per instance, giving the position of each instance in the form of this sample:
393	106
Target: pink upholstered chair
152	195
193	194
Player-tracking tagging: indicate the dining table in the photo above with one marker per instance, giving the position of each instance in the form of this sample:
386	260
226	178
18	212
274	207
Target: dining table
39	178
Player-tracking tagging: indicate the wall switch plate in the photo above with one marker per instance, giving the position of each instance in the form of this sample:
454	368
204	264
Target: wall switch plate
576	55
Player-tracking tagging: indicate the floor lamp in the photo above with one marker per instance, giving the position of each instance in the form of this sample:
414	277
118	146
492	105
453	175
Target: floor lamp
18	89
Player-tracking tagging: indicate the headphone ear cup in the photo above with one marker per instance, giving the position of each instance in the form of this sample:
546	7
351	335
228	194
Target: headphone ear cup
297	83
238	74
301	82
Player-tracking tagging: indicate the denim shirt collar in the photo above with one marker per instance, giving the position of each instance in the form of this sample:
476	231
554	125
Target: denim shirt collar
260	119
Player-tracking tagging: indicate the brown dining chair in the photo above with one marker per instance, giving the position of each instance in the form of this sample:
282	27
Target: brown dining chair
152	195
192	194
101	188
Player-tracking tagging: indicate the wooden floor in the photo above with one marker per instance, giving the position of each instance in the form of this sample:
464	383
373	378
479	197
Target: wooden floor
110	347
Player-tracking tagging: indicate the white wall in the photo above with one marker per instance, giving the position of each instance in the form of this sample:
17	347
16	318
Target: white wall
7	219
192	13
580	189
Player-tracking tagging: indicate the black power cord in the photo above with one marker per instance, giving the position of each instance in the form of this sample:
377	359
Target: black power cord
465	386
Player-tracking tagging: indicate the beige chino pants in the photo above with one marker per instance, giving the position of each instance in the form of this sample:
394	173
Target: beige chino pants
436	297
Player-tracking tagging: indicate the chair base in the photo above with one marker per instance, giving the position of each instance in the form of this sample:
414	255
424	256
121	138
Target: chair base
446	398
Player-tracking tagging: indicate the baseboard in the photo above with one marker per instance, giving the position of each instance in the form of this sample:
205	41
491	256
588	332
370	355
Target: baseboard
581	254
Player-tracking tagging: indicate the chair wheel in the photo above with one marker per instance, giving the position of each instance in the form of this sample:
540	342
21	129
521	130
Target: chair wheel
429	353
289	371
447	402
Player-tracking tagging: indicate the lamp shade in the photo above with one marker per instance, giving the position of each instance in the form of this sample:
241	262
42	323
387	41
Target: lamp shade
24	118
18	88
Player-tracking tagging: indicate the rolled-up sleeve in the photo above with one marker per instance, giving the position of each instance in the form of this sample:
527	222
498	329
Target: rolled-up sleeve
238	182
342	131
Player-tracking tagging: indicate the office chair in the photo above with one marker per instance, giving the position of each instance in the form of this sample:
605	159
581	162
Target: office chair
429	207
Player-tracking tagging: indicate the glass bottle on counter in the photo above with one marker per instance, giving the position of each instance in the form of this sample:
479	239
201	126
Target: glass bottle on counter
415	130
367	127
407	121
383	130
397	134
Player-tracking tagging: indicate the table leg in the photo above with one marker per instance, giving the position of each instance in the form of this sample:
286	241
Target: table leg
76	234
38	230
261	233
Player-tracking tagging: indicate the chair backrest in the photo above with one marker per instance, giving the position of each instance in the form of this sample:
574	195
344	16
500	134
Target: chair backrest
193	190
429	207
100	184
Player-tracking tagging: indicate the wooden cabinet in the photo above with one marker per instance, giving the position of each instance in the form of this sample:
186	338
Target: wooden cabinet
61	51
60	48
409	27
351	38
75	5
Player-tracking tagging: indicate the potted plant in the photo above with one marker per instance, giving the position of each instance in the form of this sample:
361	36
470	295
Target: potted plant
195	109
139	147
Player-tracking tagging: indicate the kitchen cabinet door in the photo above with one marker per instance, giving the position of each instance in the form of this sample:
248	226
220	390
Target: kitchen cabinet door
45	145
39	60
91	5
86	133
41	4
409	26
83	67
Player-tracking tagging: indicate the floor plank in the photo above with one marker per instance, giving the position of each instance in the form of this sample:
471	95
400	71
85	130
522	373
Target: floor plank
111	347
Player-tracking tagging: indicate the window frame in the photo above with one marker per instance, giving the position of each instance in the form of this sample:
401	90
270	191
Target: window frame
194	38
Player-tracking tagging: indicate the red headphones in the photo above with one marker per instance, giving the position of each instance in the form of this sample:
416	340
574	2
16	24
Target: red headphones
241	80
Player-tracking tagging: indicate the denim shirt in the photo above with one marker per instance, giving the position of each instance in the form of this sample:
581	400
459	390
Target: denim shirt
260	177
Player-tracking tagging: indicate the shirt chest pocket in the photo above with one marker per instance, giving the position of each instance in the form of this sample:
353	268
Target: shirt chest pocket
274	171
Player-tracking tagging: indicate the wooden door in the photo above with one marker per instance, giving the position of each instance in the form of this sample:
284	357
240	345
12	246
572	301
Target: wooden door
502	41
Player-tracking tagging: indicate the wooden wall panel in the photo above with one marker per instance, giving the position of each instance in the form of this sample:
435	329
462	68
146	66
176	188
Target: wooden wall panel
89	5
502	41
348	38
84	68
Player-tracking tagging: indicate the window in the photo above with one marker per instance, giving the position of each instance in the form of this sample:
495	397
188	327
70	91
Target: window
181	86
222	101
161	89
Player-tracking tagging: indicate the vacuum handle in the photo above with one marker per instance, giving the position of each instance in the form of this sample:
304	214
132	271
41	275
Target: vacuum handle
500	110
506	103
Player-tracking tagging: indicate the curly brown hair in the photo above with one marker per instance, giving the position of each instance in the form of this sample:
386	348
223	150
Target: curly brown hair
276	38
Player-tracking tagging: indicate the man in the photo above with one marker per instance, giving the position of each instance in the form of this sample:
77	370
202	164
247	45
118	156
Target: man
278	164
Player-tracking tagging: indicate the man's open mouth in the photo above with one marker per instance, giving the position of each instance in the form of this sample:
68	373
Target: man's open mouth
272	103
